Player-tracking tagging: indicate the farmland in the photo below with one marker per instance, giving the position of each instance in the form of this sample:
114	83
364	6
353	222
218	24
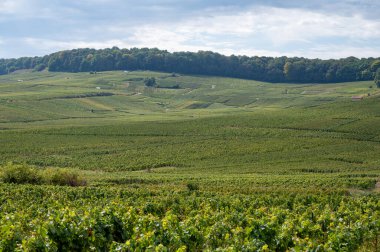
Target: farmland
212	164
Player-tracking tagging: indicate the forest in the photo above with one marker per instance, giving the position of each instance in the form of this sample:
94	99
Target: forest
269	69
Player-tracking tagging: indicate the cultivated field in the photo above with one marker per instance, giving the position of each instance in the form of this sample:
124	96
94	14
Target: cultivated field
200	163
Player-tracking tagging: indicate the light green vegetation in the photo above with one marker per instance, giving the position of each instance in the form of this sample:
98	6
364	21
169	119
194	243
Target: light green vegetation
234	139
43	98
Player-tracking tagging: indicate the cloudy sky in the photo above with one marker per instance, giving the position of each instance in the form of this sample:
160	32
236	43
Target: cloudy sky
312	28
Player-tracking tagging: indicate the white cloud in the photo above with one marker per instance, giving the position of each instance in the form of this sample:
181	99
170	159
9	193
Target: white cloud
11	6
263	31
31	10
278	29
281	25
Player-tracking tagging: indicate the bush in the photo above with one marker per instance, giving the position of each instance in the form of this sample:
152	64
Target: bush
25	174
20	174
150	82
63	177
192	187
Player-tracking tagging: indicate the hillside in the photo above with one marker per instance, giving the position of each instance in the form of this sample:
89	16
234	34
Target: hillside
198	163
47	97
201	110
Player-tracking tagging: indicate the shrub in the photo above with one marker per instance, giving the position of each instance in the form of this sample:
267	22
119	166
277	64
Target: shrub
192	187
20	174
25	174
63	177
150	82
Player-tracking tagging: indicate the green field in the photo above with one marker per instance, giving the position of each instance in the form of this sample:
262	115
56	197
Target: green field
216	164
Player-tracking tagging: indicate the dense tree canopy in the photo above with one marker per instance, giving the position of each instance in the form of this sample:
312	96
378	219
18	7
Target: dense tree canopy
377	78
281	69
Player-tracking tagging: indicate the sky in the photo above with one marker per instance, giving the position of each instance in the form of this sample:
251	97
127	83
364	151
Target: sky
304	28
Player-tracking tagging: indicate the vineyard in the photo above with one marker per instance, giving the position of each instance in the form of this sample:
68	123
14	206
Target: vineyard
121	219
102	163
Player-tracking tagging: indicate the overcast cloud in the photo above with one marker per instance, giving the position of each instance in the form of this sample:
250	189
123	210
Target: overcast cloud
313	29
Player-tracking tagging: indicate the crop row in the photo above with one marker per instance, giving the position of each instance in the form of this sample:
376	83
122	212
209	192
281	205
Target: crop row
48	218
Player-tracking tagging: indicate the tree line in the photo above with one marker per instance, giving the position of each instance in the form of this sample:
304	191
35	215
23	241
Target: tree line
270	69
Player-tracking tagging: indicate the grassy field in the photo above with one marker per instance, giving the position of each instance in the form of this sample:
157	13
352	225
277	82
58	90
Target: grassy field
219	137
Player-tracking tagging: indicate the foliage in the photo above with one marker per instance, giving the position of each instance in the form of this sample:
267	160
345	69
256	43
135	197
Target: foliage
39	67
68	219
20	174
290	171
150	82
192	186
377	78
25	174
282	69
63	177
375	65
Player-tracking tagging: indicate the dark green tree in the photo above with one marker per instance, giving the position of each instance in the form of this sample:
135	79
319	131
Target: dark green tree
150	82
375	65
39	67
377	78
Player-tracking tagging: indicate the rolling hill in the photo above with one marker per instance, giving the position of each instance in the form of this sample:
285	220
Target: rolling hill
214	163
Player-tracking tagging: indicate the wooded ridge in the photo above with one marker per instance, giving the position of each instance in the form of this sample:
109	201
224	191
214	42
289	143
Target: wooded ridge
270	69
